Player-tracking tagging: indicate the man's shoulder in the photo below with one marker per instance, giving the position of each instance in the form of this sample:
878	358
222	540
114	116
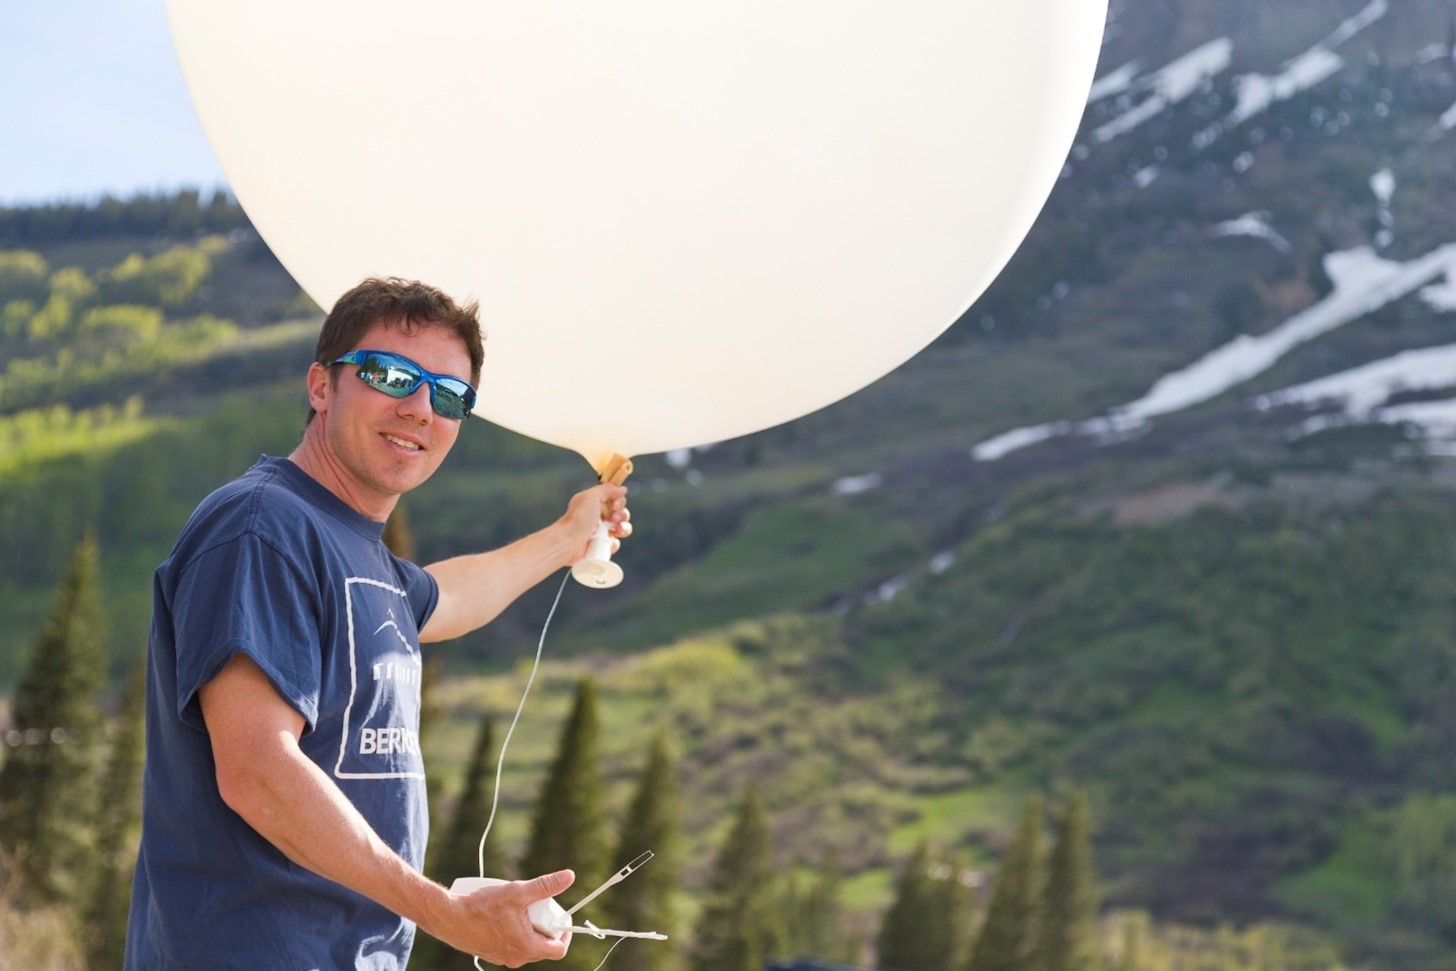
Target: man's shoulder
263	503
264	497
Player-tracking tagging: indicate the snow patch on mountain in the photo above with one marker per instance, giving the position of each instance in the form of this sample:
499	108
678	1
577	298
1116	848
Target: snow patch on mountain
853	485
1363	283
1361	391
1170	84
1255	224
1435	419
1382	186
1447	121
1114	82
1352	26
1256	92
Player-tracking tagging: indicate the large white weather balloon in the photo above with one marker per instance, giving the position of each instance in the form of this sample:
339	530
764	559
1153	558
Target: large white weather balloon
685	220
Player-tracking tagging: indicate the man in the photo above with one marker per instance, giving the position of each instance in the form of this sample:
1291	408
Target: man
284	816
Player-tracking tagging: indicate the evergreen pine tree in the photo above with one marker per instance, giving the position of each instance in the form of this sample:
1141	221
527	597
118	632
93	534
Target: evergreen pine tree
1068	941
456	853
569	829
816	917
917	932
957	900
793	903
740	927
47	773
1012	924
118	813
645	902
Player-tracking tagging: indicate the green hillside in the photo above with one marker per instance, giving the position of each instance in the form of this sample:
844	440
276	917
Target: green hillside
1239	642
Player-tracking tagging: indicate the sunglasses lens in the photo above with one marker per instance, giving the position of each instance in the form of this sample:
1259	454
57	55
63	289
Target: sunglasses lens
391	375
450	401
398	377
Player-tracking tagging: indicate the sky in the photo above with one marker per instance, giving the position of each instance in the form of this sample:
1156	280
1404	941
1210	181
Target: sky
92	101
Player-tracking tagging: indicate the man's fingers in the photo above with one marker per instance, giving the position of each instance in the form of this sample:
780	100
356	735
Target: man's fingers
547	885
607	492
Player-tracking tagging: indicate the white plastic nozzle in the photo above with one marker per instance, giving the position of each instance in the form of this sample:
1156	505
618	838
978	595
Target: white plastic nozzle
596	569
612	881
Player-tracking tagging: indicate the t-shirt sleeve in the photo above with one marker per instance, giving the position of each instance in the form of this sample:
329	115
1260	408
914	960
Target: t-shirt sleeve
421	589
244	597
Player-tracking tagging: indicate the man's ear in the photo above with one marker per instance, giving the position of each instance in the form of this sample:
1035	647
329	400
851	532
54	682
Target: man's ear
320	387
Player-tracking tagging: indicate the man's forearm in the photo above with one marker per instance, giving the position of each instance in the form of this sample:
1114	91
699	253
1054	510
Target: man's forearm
296	807
265	778
474	589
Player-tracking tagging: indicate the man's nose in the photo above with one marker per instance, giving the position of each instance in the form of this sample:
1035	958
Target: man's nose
417	405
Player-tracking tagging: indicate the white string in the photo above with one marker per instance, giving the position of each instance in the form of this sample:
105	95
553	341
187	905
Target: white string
501	759
608	954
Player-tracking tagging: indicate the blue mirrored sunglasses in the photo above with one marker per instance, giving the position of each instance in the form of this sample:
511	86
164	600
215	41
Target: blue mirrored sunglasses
399	377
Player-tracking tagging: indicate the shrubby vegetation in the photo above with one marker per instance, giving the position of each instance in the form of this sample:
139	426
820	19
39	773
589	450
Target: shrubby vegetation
1224	679
1132	941
1423	845
750	909
32	438
66	335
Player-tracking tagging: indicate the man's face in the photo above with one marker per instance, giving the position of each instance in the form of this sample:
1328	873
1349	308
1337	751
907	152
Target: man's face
378	447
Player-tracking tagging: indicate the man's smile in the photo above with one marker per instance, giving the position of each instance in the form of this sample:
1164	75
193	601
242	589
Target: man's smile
403	443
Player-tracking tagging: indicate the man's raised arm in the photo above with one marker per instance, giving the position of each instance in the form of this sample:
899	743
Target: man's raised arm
474	589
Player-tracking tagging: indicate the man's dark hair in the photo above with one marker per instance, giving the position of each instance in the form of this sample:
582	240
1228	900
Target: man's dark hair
407	305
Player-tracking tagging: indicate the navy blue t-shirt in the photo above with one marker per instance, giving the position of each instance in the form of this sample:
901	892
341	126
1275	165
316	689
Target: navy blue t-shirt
276	567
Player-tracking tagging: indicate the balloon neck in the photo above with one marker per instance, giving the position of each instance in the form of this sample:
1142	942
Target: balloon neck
613	469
